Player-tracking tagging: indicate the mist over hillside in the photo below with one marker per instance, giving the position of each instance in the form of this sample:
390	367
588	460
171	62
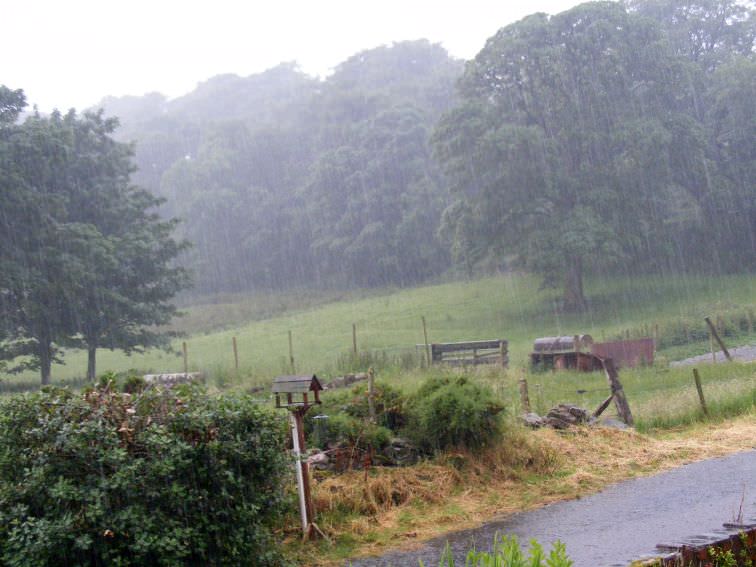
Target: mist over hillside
610	137
287	180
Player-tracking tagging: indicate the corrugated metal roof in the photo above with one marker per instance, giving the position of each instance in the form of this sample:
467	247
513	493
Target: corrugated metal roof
296	384
561	344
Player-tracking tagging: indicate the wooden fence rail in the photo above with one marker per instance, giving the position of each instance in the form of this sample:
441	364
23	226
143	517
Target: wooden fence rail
495	351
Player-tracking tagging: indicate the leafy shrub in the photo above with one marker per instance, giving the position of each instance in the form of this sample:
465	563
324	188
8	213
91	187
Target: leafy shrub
353	403
446	413
159	478
353	432
388	403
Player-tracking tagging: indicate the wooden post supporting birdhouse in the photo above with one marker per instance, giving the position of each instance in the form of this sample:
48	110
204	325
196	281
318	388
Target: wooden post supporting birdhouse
301	393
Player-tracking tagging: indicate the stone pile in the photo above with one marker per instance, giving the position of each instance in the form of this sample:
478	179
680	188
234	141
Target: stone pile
398	453
346	380
561	416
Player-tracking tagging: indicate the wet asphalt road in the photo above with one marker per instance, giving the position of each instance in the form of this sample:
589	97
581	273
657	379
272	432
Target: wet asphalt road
620	524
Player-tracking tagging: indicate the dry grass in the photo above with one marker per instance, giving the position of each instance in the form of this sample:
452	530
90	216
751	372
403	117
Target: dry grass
390	508
379	490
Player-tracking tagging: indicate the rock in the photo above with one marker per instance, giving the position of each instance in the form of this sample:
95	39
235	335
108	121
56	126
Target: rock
568	414
400	452
533	420
346	380
319	460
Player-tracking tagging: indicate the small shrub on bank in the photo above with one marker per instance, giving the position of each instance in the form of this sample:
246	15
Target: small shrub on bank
155	478
348	417
357	433
453	412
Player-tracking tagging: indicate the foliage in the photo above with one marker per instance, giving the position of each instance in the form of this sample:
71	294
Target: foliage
155	478
447	413
547	145
355	433
506	552
348	417
90	263
287	181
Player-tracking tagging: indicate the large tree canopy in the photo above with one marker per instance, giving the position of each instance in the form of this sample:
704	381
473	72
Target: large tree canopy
563	145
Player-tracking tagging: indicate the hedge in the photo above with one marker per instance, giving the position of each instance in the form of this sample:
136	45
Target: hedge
151	478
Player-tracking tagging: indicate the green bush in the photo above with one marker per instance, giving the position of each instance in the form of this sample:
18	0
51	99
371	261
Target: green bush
388	403
158	478
348	412
446	413
353	432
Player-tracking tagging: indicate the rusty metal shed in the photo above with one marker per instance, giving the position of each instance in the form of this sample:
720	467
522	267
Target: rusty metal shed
565	352
628	353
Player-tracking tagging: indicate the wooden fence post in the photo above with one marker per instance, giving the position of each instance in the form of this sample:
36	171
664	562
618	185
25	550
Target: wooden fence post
716	336
524	398
291	353
603	406
427	347
186	357
620	401
354	339
236	356
697	379
371	394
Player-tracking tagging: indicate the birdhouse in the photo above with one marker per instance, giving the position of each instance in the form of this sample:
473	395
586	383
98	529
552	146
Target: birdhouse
296	390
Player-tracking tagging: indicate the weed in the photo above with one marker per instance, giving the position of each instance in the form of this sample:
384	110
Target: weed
506	552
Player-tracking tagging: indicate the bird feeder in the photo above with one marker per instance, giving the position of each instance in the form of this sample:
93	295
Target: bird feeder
293	393
296	392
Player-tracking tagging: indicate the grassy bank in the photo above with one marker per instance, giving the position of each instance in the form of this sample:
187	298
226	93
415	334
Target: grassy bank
369	513
510	306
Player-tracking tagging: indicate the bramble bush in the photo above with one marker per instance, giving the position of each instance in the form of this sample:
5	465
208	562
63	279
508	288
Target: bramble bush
150	477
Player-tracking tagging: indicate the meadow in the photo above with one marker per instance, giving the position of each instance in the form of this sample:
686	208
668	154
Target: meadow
388	327
507	306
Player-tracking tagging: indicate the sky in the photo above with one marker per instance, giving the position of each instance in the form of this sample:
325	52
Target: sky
72	53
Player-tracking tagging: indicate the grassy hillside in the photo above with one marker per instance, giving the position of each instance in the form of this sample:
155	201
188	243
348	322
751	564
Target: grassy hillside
511	307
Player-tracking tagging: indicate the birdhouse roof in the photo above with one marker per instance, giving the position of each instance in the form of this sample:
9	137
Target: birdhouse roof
296	384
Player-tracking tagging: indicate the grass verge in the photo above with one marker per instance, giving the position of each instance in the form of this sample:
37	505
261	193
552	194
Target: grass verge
369	513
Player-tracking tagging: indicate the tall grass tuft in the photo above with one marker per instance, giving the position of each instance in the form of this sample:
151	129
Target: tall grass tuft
507	552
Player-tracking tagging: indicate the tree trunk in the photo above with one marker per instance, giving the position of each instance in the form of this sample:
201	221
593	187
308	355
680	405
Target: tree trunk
91	362
45	362
574	300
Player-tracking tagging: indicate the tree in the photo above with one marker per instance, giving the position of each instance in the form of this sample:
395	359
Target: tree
89	262
707	32
11	104
35	307
561	144
127	275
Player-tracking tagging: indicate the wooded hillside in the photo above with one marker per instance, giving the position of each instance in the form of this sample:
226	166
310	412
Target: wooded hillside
609	137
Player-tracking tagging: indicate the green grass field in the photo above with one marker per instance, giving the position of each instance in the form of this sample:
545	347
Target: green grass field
507	306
